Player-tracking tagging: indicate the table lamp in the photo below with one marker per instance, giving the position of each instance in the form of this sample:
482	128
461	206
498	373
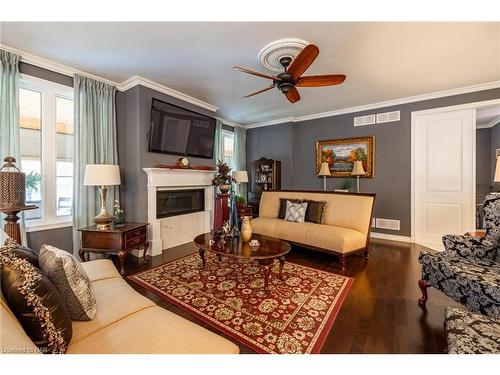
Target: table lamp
102	175
358	171
324	171
240	177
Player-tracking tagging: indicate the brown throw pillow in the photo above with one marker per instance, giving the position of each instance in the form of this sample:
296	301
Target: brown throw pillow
22	252
315	210
35	302
282	210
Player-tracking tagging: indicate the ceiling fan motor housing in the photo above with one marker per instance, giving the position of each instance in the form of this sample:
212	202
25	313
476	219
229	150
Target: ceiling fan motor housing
286	82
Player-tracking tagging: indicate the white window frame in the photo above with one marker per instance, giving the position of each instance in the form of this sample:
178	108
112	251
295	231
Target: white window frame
50	91
227	133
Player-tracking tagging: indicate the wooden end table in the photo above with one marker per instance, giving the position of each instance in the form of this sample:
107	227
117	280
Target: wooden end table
120	239
270	249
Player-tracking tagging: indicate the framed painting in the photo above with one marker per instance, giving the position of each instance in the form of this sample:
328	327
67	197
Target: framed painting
340	154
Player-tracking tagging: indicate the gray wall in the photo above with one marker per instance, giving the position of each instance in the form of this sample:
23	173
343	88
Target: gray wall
61	238
483	163
392	181
495	143
49	75
133	123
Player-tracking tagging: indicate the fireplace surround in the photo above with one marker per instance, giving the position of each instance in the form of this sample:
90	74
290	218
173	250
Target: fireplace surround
171	224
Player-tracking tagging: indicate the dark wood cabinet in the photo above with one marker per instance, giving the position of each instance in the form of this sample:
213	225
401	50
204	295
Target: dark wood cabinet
265	175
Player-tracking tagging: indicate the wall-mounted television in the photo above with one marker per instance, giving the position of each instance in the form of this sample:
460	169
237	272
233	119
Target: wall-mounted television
178	131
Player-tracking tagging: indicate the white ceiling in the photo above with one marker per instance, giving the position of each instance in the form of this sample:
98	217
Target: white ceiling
382	61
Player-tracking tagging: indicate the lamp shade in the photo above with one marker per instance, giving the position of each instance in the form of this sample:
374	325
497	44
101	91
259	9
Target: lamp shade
497	171
102	174
324	170
240	176
357	169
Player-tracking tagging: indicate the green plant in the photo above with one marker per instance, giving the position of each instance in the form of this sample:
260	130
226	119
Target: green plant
32	182
240	200
347	183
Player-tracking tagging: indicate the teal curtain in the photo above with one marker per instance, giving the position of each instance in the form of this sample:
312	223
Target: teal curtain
240	155
9	115
218	149
95	142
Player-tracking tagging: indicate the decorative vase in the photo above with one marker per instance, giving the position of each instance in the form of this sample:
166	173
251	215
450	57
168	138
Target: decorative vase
224	188
246	229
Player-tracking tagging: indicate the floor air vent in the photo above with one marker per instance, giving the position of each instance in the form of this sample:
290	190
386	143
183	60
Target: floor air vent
387	224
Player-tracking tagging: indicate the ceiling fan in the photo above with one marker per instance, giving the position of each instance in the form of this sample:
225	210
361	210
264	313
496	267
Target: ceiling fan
291	78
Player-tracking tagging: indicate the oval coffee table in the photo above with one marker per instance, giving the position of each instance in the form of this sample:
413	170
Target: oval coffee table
270	249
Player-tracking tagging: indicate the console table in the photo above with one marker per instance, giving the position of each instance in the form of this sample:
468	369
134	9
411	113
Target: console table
120	239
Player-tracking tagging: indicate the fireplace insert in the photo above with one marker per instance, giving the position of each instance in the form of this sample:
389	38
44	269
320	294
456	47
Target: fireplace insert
179	202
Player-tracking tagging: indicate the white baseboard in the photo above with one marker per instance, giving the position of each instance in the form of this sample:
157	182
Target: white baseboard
391	237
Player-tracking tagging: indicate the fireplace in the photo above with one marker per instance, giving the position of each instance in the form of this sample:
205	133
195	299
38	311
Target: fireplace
179	202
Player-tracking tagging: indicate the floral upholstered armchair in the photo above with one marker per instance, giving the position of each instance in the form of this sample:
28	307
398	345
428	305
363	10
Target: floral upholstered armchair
469	269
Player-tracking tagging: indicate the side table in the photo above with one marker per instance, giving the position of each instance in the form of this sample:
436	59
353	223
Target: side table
119	239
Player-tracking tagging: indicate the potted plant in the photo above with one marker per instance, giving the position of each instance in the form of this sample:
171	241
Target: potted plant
222	177
240	201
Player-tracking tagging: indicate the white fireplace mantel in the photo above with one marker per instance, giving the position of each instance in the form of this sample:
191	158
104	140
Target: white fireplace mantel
176	230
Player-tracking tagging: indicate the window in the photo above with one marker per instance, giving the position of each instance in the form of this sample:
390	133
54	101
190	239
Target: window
228	148
46	137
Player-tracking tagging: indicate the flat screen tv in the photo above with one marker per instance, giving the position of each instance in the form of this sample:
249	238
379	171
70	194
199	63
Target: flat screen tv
178	131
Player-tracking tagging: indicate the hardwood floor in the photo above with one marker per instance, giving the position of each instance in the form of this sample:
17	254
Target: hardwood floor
380	314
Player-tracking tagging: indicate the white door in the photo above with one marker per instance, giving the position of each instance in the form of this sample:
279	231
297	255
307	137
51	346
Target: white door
443	174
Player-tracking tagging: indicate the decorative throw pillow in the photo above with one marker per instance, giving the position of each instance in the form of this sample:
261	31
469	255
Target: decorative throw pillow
282	210
315	210
70	279
296	212
35	302
22	252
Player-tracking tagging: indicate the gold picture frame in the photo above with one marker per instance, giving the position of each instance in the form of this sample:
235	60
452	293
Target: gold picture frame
340	155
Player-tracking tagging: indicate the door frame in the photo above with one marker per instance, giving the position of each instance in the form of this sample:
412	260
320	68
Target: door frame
458	107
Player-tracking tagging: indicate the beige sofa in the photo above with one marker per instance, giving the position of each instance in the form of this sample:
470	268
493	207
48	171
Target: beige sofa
345	228
126	322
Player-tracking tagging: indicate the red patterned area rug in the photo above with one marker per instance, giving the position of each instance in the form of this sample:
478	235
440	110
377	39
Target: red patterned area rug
294	317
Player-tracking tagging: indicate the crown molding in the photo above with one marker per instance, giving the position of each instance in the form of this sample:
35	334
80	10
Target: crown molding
388	103
138	80
490	124
129	83
53	66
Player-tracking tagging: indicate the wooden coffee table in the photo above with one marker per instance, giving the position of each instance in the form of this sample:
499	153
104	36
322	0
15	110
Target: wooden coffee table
270	249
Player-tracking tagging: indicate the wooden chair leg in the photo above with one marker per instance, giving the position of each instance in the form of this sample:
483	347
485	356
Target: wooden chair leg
367	253
423	285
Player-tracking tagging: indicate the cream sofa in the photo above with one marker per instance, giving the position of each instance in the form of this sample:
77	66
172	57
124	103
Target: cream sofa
126	322
345	228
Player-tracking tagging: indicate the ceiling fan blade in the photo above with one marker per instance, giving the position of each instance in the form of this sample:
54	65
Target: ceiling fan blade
253	72
293	95
258	92
324	80
303	60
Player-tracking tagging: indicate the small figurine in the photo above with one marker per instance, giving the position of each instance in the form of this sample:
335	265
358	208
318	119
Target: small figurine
254	243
